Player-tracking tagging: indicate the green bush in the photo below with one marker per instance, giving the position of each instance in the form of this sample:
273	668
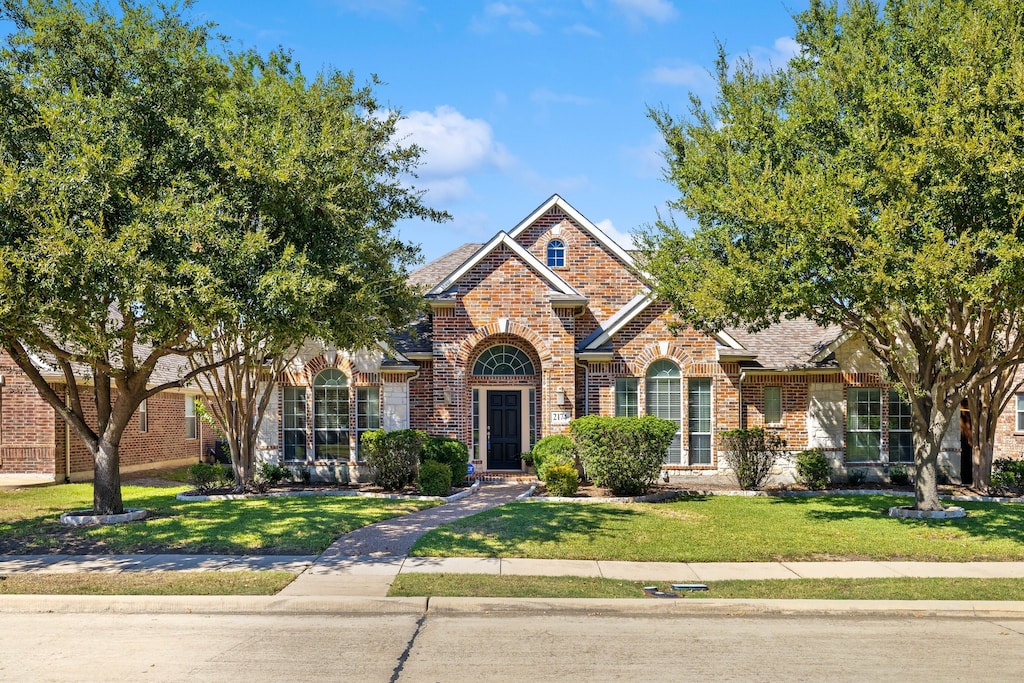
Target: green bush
1008	474
562	480
899	475
434	478
204	478
451	452
813	469
393	457
269	475
624	454
857	475
751	453
550	451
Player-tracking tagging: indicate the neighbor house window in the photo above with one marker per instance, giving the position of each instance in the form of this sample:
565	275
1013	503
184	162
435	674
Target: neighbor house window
863	424
556	254
901	439
191	428
293	414
626	397
1020	412
773	405
699	409
664	401
144	416
367	411
330	415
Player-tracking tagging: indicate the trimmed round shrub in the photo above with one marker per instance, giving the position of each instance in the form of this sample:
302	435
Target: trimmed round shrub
813	469
451	452
562	480
550	451
393	457
624	454
203	477
434	478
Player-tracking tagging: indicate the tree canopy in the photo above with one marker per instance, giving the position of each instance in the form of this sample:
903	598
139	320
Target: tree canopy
875	181
157	188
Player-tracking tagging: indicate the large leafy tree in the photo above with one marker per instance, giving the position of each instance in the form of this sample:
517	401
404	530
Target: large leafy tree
158	192
875	181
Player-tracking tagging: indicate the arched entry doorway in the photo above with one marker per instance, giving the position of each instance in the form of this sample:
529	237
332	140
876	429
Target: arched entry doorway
504	381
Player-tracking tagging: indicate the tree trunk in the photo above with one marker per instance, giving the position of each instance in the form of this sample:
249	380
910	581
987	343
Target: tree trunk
927	446
106	490
983	436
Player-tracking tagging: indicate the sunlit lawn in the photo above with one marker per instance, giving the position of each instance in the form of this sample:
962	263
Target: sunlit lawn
491	586
29	522
731	529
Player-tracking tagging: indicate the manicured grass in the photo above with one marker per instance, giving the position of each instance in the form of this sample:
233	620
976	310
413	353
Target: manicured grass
732	529
491	586
147	583
29	522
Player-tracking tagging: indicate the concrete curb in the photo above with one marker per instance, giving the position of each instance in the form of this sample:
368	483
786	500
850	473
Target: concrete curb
693	607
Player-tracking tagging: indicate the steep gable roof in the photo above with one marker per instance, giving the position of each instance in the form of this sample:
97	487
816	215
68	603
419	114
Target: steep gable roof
561	287
554	201
433	272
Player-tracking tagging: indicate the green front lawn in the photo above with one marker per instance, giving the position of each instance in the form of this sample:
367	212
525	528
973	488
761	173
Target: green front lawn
490	586
732	529
30	522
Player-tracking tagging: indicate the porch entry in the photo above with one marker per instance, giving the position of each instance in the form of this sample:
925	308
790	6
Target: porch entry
504	430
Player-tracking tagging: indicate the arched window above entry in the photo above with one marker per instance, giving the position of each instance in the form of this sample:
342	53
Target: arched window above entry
556	254
503	360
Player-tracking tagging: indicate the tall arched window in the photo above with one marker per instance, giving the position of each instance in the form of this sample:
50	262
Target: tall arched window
664	400
330	417
503	360
556	254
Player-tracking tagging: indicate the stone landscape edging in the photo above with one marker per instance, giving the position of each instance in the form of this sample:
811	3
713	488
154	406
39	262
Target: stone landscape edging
87	518
355	494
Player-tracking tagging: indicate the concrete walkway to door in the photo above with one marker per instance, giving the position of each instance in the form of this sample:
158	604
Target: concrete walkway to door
367	560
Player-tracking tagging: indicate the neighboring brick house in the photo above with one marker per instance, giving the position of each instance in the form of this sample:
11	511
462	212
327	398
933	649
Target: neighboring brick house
36	441
551	321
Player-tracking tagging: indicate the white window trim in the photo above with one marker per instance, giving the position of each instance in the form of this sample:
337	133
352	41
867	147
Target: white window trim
767	422
1018	426
882	454
711	424
144	416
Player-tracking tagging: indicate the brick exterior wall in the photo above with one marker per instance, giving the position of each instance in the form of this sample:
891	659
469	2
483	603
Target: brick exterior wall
1009	442
27	426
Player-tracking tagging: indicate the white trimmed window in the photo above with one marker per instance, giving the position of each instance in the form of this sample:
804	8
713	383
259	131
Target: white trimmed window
144	416
863	424
901	439
191	426
664	401
773	405
626	397
293	414
1020	412
556	254
330	415
367	411
699	410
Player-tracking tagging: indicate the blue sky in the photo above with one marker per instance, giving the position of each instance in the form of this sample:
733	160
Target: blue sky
519	99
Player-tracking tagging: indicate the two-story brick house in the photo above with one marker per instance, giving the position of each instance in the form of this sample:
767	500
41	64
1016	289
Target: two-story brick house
552	320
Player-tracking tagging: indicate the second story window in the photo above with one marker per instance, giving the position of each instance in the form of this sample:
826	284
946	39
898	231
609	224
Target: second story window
556	254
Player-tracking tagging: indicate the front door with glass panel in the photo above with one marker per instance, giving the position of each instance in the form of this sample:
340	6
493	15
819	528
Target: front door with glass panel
504	430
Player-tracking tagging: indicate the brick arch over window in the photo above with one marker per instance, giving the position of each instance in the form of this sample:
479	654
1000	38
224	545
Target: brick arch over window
535	347
654	352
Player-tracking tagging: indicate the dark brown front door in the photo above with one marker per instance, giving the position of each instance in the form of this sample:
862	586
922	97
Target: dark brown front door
504	430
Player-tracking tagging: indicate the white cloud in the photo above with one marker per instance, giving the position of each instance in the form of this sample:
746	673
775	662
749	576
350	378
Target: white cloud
623	239
660	11
453	147
583	30
693	76
776	56
545	96
498	14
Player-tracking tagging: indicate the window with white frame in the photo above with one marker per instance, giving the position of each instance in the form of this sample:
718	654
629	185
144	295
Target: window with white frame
773	405
330	415
556	254
664	401
144	415
627	402
863	424
367	411
293	416
1020	412
191	426
699	420
901	438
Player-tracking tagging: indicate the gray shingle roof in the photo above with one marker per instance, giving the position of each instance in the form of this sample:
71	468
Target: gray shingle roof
428	275
787	345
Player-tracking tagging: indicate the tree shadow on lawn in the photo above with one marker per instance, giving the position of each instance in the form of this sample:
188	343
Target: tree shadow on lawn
497	532
984	521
